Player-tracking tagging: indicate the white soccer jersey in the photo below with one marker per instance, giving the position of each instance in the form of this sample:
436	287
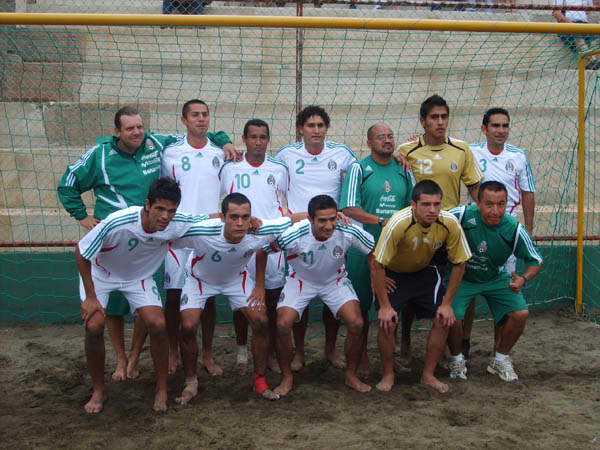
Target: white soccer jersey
510	167
197	171
579	16
320	262
312	175
121	251
214	259
264	185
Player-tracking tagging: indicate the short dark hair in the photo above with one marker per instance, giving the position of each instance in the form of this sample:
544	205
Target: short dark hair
320	202
125	111
429	103
236	198
370	130
195	101
256	123
427	187
164	188
494	186
490	112
310	111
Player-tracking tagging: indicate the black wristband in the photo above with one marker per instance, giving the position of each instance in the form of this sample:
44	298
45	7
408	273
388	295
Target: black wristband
526	279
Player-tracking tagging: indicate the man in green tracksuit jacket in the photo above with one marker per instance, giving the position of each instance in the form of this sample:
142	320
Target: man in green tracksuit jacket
119	169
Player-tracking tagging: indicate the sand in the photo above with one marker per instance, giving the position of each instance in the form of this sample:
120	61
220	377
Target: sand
44	384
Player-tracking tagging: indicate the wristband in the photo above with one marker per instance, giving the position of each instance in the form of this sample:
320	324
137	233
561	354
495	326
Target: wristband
526	279
380	221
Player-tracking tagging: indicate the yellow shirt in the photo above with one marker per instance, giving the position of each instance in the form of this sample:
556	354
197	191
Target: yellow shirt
446	164
407	246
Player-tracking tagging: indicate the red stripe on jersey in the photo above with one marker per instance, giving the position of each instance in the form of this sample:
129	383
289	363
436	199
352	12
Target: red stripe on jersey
244	275
291	257
174	178
143	286
519	191
272	246
300	283
172	252
108	249
279	261
194	261
231	188
103	268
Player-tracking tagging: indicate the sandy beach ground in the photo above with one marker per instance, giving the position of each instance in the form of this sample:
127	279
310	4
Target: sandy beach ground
44	384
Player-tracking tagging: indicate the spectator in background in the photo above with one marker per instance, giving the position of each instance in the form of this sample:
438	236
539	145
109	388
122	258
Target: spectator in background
578	43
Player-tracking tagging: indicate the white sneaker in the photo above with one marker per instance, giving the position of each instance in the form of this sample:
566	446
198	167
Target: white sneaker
458	369
504	369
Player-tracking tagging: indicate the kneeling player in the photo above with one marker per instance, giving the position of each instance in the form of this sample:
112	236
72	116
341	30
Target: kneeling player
316	252
403	253
493	236
121	254
222	249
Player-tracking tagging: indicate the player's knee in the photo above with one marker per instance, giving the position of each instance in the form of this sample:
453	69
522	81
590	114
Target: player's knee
188	331
519	316
355	326
94	331
284	326
157	327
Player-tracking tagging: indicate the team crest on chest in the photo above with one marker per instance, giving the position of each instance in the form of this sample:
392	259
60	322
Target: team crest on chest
482	247
510	167
453	166
271	180
387	187
337	252
332	165
437	245
215	162
149	144
248	253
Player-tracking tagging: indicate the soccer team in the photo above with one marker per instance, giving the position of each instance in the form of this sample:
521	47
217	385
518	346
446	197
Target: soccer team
386	230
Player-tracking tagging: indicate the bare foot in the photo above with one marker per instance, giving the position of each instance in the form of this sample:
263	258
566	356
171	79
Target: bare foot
174	362
364	368
284	387
270	395
241	368
160	401
386	383
354	383
120	373
133	369
189	392
297	362
273	364
96	403
435	384
401	366
336	362
211	367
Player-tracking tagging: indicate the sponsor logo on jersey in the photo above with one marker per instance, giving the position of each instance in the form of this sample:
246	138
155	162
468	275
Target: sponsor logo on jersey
437	156
184	299
256	172
453	166
315	159
231	250
387	187
271	180
472	221
368	169
322	247
112	152
149	144
425	240
482	247
337	252
150	239
199	155
215	162
248	253
510	167
332	165
495	159
437	245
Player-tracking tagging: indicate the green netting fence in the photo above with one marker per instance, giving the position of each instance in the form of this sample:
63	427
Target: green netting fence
62	85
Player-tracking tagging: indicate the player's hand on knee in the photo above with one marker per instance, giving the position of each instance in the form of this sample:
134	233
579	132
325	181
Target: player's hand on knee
388	317
256	300
445	315
89	307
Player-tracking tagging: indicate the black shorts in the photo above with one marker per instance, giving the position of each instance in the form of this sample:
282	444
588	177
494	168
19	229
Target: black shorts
423	289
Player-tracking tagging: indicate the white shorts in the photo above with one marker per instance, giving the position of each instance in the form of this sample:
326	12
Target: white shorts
297	294
195	292
275	273
138	293
510	266
175	267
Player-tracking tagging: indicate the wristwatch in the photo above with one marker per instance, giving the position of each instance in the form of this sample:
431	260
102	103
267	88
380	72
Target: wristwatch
380	221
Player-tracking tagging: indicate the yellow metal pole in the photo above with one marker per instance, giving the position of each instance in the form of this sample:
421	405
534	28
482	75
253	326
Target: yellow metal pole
580	181
295	22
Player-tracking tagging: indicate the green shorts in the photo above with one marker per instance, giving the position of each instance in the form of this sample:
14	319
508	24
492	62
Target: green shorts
118	304
500	299
360	276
